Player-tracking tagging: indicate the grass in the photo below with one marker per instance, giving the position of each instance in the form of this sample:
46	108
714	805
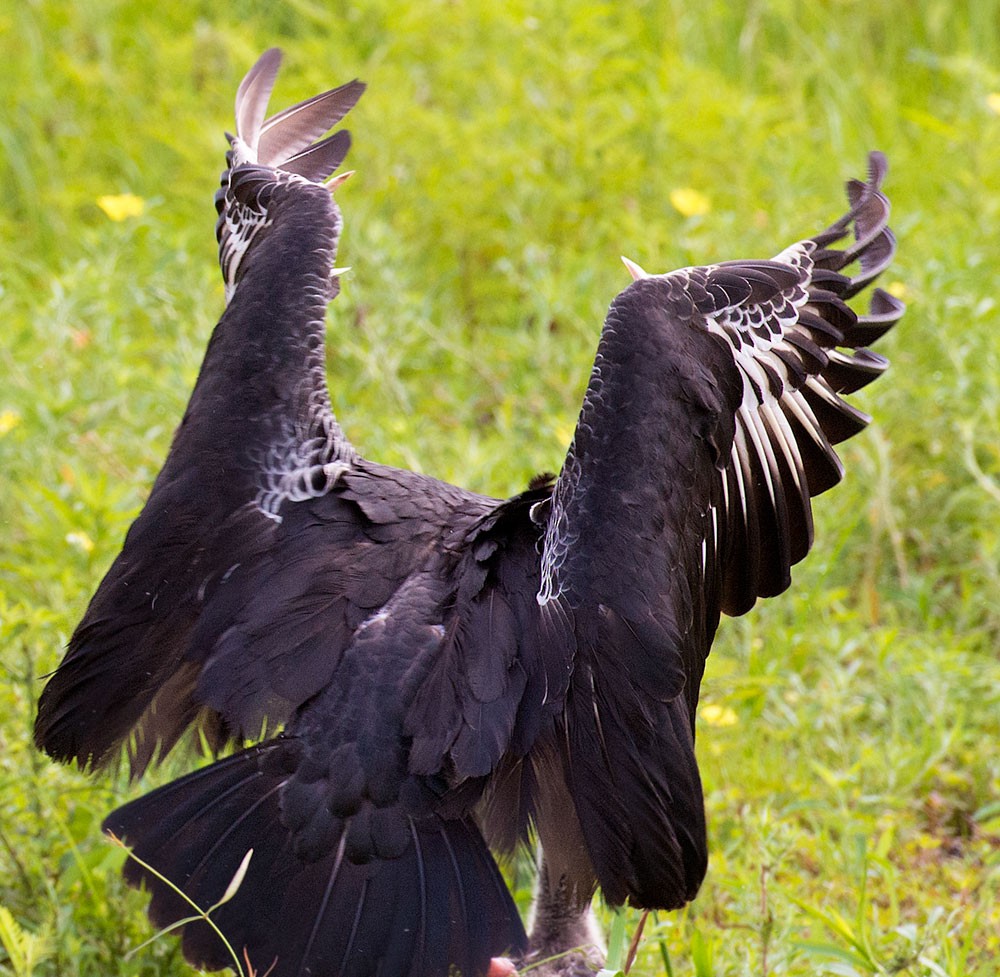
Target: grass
506	155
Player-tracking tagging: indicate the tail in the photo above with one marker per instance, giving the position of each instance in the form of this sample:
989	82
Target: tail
441	909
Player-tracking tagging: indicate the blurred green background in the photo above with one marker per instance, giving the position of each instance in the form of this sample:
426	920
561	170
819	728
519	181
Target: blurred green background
506	155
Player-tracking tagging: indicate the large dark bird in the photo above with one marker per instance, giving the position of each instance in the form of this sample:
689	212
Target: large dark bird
448	671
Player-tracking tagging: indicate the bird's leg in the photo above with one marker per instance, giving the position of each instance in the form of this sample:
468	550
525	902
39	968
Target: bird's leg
565	940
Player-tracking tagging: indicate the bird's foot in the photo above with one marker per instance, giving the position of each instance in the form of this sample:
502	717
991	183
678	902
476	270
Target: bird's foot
502	967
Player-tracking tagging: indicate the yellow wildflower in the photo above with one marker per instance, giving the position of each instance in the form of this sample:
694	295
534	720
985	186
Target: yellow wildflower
716	715
689	202
121	206
9	419
81	541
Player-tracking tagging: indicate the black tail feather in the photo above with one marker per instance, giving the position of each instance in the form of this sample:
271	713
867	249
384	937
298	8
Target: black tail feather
442	908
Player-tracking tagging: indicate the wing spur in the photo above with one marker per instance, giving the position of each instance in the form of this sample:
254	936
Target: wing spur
708	426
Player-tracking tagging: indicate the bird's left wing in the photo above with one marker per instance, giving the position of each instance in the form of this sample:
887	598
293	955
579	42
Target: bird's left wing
706	429
258	434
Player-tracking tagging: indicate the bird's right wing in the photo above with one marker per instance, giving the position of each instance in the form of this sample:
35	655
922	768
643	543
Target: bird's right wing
379	617
707	427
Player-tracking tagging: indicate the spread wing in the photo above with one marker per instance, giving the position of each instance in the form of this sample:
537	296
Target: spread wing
267	544
220	554
707	428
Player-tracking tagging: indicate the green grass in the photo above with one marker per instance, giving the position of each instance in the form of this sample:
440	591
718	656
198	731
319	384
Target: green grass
506	155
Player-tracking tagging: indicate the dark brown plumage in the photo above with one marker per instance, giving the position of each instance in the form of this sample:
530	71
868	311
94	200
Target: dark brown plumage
449	670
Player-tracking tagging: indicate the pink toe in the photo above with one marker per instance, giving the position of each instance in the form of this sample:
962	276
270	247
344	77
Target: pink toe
501	967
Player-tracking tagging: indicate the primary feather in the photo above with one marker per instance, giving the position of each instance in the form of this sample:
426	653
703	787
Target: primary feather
447	668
